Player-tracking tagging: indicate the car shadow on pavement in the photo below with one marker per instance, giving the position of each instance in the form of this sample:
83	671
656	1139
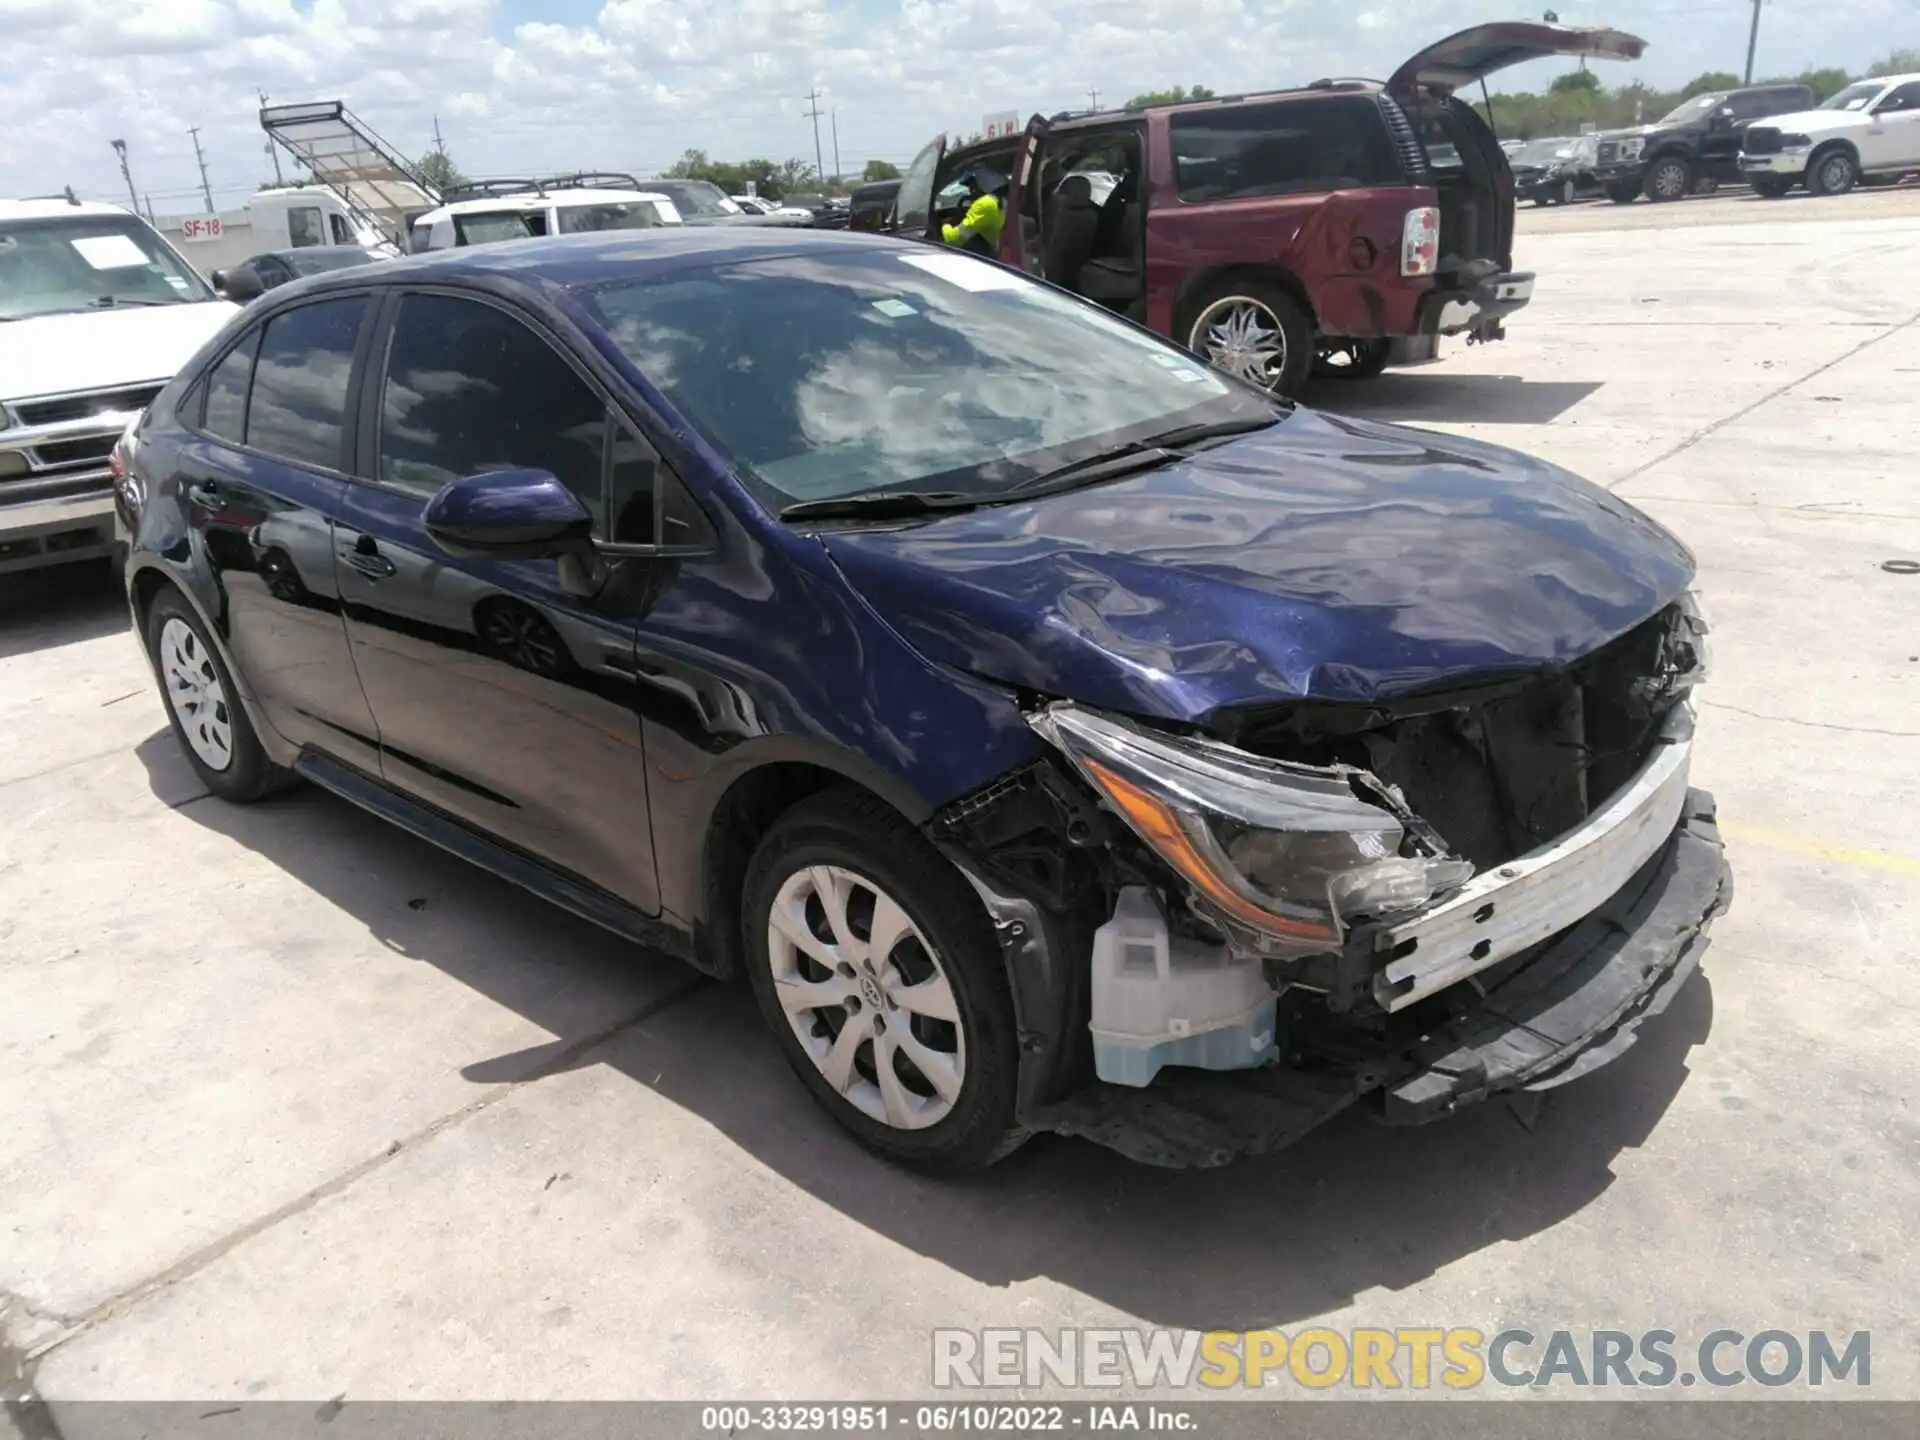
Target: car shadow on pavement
1354	1207
1414	395
60	605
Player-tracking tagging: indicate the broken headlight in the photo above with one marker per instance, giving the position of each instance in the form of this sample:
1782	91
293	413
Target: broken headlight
1283	855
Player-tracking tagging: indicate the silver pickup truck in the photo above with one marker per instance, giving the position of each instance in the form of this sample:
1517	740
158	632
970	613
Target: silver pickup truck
96	313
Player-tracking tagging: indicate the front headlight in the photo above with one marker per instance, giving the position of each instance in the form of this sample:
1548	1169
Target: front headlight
1630	149
1553	170
1796	142
1283	855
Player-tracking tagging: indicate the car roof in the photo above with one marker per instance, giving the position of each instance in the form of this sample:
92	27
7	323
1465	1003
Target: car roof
582	261
494	204
53	207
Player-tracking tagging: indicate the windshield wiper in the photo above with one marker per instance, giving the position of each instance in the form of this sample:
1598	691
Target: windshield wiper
881	505
113	302
1135	456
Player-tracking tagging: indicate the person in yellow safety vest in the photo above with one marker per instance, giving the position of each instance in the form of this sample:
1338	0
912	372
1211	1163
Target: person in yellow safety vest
979	229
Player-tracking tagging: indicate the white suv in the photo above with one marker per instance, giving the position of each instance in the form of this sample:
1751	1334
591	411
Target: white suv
97	312
1871	128
495	210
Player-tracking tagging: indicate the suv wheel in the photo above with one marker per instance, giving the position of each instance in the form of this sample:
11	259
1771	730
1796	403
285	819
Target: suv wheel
1335	359
1669	178
1568	191
1832	172
877	969
1251	329
208	718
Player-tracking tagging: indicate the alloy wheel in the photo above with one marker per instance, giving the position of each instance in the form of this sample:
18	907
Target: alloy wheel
867	996
1836	173
1669	181
1244	338
194	691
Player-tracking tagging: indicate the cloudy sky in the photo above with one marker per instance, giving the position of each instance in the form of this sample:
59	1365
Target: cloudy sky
522	85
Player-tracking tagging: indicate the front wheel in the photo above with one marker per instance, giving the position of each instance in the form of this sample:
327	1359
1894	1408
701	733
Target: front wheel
1669	178
1253	330
878	971
1833	172
1567	192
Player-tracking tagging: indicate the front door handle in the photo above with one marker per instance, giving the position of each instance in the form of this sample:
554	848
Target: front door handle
366	558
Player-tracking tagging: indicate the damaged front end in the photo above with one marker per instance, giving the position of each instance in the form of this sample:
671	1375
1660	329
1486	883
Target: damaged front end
1432	900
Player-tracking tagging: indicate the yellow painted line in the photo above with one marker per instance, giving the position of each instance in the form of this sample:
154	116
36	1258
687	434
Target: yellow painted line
1793	844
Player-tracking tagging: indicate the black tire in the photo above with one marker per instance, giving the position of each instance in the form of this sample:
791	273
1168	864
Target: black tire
248	774
1832	171
1771	189
1623	194
1669	178
1566	193
857	832
1335	359
1296	358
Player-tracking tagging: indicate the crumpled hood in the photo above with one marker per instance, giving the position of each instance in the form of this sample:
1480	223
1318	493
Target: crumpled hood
99	349
1327	558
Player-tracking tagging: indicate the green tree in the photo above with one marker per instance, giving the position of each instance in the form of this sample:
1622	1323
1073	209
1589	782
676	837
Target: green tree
1575	82
437	169
1900	62
880	170
1171	97
1711	80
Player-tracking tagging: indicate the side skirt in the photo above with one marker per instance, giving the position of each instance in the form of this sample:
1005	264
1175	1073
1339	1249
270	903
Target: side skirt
587	901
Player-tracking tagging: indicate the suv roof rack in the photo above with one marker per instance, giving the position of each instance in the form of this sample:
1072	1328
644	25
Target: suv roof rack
577	180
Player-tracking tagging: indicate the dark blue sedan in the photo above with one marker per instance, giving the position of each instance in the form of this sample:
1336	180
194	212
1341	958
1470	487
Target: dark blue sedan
1056	734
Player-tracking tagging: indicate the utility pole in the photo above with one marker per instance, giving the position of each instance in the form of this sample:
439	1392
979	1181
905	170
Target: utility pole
206	191
120	149
273	150
1753	39
438	143
813	113
1093	98
835	116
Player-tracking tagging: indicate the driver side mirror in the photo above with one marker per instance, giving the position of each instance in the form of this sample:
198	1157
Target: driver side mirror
509	515
239	285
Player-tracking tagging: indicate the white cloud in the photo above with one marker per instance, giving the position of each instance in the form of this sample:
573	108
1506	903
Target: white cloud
524	85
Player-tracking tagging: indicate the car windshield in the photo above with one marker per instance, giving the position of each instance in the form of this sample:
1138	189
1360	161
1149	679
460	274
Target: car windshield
1544	152
94	262
1857	96
826	375
1693	109
614	215
696	198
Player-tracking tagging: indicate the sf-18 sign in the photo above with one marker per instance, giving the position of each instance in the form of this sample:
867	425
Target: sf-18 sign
999	127
201	227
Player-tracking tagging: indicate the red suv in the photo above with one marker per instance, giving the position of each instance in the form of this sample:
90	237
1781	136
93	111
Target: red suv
1331	229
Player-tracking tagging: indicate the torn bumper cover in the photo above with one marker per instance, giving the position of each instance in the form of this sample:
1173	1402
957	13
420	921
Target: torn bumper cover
1572	1006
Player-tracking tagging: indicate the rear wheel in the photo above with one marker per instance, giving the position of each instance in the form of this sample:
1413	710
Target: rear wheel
1832	172
1669	178
878	971
1251	328
1337	359
204	706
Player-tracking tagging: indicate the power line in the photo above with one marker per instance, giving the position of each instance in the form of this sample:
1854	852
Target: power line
813	113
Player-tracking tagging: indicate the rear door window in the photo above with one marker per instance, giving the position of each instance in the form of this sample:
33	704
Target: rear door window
486	227
299	403
1286	147
225	416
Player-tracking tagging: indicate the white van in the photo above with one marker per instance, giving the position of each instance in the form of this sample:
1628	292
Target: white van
496	210
291	218
97	312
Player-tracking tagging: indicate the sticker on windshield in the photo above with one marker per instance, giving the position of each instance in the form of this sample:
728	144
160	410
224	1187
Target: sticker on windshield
963	270
898	309
110	252
179	283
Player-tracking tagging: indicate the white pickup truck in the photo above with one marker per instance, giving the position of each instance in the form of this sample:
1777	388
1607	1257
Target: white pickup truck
97	312
1869	130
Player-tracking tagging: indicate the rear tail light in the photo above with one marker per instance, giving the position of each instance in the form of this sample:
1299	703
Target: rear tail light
1420	241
